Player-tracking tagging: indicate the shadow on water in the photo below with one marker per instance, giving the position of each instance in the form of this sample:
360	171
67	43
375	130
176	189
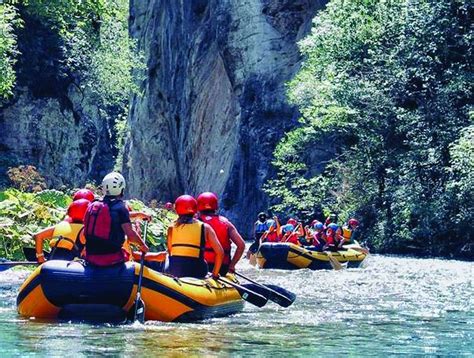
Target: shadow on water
395	306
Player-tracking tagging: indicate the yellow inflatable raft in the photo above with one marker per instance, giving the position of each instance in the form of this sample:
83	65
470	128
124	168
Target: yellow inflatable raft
290	256
75	290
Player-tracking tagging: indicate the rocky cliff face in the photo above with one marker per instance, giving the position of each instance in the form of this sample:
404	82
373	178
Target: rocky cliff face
213	104
50	122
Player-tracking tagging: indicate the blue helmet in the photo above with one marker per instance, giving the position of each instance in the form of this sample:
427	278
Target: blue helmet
318	226
333	226
288	227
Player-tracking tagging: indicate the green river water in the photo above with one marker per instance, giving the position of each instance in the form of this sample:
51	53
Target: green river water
394	306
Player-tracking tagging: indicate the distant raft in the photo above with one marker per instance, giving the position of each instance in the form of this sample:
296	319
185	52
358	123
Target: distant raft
288	256
73	290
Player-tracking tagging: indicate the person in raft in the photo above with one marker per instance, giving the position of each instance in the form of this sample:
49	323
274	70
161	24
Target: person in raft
66	238
207	204
349	231
187	240
333	239
291	232
106	223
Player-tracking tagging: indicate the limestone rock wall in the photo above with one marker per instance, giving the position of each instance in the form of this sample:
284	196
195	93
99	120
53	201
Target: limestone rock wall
213	105
50	122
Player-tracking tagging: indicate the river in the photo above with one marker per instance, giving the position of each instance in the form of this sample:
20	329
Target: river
393	306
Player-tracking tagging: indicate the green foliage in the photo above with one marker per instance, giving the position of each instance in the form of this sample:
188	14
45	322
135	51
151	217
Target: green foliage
8	51
157	228
385	88
22	214
107	59
97	49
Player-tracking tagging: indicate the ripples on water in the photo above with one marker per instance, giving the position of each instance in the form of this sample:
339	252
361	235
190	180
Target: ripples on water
393	306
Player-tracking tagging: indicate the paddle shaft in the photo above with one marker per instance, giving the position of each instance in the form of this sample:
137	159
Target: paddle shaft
9	264
138	299
293	232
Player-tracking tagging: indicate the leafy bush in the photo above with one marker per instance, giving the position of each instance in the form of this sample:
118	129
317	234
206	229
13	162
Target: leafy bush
22	214
26	178
8	50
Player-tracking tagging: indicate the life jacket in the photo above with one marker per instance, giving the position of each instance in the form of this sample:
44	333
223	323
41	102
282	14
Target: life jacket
221	227
260	227
318	238
346	233
291	237
101	248
272	237
187	240
66	236
331	239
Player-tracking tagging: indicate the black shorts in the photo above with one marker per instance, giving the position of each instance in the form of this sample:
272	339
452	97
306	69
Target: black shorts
63	254
181	266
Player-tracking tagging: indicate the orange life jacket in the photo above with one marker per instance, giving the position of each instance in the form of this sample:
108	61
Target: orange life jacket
66	236
187	240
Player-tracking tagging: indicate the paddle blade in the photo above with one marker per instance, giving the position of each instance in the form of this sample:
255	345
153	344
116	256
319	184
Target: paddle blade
336	265
30	253
248	293
284	297
140	310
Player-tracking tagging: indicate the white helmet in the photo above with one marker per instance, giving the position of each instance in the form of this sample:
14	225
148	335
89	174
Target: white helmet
113	184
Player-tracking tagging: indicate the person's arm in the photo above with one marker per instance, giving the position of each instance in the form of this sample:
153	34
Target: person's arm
133	237
39	237
216	246
239	242
300	231
168	239
150	256
138	215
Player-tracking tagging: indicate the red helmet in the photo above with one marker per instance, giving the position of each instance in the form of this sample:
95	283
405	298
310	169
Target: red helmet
169	205
83	194
77	209
207	201
292	221
353	222
185	205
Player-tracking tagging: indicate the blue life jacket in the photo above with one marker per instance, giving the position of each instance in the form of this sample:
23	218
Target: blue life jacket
262	227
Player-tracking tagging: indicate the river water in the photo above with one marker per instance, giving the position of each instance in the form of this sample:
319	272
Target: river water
392	306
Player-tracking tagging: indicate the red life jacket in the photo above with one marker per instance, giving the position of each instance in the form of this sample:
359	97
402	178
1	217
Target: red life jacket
272	237
318	238
291	237
221	227
101	250
331	239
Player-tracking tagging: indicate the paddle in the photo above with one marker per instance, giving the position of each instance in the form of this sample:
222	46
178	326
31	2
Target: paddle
293	232
139	304
336	265
280	296
30	253
247	294
9	264
253	256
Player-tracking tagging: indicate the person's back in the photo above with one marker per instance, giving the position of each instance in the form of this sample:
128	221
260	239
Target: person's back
187	239
106	223
225	231
66	237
